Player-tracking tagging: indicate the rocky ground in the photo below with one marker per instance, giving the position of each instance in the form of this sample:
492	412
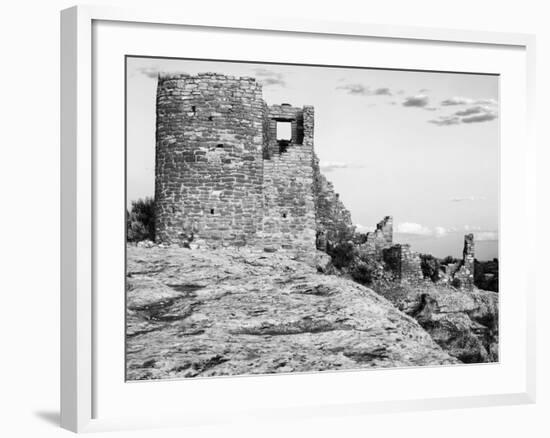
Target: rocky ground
464	323
195	313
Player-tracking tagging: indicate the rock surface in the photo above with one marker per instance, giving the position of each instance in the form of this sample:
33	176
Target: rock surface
463	322
229	312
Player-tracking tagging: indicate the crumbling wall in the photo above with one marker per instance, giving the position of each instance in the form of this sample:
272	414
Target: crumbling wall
378	240
333	219
403	263
288	207
209	170
463	277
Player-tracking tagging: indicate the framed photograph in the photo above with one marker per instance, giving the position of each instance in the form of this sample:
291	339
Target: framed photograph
279	219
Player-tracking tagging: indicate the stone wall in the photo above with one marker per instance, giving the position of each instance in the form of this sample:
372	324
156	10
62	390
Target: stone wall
222	175
333	219
463	277
209	170
403	262
378	240
289	209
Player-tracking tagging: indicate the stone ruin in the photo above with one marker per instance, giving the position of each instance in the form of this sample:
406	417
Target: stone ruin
232	171
405	264
461	273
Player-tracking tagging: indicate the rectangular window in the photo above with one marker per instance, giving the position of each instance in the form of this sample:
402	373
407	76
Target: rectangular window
284	131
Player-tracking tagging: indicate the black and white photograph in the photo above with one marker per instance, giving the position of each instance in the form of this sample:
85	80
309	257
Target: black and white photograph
299	218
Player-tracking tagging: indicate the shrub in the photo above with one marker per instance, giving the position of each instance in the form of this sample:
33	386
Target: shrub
140	221
363	270
342	254
430	267
448	260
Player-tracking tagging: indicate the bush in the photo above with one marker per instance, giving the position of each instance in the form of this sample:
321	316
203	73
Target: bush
363	270
486	275
448	260
140	221
430	267
342	254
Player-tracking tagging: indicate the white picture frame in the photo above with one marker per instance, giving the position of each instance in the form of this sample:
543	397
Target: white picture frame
80	366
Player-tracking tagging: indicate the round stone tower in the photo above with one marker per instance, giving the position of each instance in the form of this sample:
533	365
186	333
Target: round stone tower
209	144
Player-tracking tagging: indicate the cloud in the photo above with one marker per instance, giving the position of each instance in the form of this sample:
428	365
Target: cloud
154	71
445	121
430	108
268	77
413	228
364	229
423	90
485	117
419	101
486	236
486	102
329	166
150	72
474	114
468	198
459	100
361	90
353	89
382	92
470	111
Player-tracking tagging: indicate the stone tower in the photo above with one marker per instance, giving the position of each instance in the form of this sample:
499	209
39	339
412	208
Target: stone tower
209	148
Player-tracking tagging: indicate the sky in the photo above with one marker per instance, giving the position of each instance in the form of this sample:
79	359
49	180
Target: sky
422	147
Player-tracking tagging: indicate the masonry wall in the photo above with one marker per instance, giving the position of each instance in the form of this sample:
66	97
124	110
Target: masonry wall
333	219
288	207
464	275
209	170
404	263
378	240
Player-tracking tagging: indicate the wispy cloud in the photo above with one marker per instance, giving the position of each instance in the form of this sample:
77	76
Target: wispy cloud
473	114
150	72
486	236
470	111
154	71
364	229
468	198
269	78
419	101
445	121
413	228
456	101
460	100
485	117
329	166
361	90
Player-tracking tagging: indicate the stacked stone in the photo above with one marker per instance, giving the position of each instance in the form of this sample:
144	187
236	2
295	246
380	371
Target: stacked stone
289	209
403	262
378	240
464	275
333	219
209	170
223	178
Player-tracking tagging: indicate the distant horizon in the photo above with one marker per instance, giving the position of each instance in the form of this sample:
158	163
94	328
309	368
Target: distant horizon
421	147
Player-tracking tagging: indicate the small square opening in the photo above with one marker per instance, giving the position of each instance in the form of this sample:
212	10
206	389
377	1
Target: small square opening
211	211
284	131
